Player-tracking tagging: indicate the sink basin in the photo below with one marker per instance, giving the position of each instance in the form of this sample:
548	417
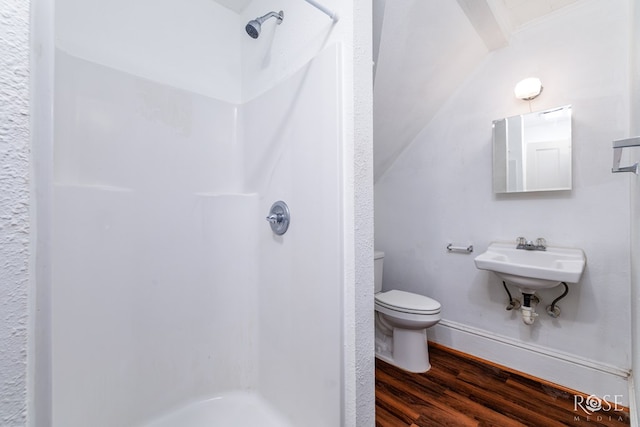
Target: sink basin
533	270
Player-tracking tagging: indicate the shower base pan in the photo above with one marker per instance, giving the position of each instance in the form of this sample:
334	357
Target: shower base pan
231	410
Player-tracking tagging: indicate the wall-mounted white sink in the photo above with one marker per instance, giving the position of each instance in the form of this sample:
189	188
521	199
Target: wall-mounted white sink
531	270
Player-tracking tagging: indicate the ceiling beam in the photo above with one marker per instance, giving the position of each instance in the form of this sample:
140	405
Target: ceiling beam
484	21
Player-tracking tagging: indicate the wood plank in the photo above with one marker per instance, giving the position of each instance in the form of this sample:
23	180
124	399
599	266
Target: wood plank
523	376
539	395
386	419
429	405
463	390
484	415
387	398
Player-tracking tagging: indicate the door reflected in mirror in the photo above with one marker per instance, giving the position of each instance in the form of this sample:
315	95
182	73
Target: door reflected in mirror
532	152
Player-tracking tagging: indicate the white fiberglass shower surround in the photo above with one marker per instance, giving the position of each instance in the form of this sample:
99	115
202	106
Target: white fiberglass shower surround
173	135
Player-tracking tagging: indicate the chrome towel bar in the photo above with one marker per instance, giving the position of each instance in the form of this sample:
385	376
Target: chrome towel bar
617	154
451	248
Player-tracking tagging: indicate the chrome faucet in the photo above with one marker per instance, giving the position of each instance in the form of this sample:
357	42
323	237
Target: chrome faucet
523	243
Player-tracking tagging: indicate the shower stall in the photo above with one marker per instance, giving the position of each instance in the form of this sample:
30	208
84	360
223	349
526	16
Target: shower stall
171	297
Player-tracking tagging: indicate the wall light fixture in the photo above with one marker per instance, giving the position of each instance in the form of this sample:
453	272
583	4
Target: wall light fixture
528	88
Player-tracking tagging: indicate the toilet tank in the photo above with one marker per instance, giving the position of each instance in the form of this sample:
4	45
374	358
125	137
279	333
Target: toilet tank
378	259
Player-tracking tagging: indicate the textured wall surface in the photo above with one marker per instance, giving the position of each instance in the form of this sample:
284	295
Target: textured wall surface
14	208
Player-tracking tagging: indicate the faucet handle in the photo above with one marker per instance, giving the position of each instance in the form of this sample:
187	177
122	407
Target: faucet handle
521	241
541	243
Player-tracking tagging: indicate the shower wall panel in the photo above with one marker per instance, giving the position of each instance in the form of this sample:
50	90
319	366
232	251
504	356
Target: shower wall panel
155	252
116	129
193	45
292	135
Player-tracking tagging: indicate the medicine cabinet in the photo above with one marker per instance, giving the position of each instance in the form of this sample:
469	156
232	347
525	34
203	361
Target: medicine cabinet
532	152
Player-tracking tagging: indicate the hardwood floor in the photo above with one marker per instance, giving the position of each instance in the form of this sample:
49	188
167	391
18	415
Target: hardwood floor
461	390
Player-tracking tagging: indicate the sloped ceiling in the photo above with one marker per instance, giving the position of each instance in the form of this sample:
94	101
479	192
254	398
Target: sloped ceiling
427	49
424	50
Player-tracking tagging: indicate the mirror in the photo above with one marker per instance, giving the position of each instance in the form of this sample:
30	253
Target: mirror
532	152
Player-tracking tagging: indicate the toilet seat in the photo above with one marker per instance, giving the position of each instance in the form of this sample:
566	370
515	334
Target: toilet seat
407	302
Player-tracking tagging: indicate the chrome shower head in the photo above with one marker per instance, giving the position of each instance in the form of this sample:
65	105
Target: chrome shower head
253	29
254	26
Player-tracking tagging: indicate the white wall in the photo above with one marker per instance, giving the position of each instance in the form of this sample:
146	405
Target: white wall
147	171
134	134
14	209
176	43
447	50
279	52
146	271
439	192
41	100
116	129
294	151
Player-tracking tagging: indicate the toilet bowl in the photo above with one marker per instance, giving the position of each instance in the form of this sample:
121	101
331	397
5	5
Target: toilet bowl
402	319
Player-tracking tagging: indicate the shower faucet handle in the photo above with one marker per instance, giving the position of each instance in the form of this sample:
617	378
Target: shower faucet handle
279	217
275	218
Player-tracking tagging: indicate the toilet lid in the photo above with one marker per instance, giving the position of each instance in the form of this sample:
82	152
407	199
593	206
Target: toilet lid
408	302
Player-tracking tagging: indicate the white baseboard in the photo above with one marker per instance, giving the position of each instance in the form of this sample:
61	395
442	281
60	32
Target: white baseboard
567	370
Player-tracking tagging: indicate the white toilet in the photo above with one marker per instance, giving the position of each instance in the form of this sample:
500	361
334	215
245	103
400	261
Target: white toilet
402	319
